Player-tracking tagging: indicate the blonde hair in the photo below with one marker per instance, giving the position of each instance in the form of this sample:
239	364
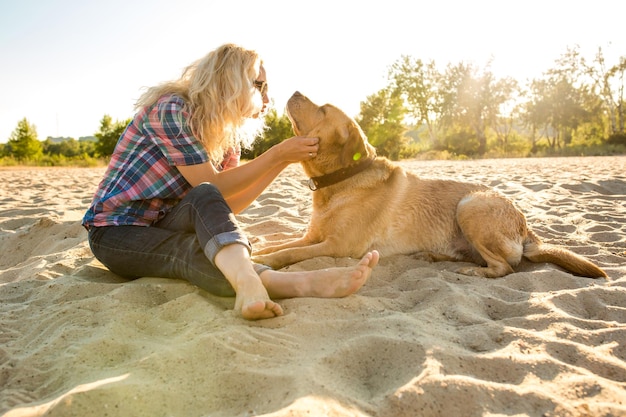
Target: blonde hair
219	94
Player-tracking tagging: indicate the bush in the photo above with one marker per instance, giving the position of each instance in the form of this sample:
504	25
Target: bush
617	139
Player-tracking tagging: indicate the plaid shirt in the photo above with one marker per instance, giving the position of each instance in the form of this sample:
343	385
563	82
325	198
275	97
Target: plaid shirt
142	184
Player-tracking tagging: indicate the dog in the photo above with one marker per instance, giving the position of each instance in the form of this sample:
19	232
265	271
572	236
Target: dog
363	202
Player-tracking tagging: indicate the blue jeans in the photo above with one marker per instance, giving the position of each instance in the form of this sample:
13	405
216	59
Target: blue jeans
182	245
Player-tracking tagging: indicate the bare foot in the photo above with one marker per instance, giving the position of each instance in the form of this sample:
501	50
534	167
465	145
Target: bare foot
325	283
254	303
261	310
341	282
252	298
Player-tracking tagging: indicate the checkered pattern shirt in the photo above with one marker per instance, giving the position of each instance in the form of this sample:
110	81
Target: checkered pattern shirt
142	184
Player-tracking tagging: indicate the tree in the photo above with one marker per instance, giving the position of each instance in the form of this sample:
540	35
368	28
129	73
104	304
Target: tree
419	85
68	148
278	129
609	84
563	101
23	144
109	134
504	126
381	119
472	102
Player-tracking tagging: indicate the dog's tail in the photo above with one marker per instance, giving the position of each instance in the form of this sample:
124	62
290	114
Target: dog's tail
536	251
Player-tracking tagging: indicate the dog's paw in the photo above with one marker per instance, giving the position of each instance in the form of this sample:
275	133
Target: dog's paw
423	256
484	272
432	257
472	271
266	260
259	258
263	251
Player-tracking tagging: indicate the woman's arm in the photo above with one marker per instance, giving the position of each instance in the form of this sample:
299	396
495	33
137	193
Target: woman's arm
240	201
243	184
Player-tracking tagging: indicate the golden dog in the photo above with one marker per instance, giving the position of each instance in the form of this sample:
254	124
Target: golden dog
363	202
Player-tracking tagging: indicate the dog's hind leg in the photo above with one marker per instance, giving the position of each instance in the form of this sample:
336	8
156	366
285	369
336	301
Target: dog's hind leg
495	229
497	266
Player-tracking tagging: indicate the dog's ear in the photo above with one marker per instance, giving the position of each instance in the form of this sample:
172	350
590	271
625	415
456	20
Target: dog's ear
354	144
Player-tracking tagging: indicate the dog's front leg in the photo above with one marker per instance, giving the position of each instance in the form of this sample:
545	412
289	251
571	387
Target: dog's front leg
305	240
290	253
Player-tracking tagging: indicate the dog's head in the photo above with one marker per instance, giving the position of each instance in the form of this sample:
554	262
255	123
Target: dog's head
341	140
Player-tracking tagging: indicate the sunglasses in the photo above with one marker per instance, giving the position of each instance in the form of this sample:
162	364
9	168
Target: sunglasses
261	86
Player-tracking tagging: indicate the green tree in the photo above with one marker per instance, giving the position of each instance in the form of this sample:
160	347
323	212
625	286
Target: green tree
568	109
381	119
505	123
608	85
472	102
535	114
419	85
563	102
590	98
109	134
278	129
23	144
69	148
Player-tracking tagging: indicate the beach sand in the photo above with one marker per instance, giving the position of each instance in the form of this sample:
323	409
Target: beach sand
416	340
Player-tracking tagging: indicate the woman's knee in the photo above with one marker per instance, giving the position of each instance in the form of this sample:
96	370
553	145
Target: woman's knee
205	198
206	190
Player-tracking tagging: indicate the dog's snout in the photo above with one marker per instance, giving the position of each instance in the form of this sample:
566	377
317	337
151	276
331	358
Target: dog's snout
295	100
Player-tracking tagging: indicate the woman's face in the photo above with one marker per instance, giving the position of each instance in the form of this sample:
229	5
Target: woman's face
262	88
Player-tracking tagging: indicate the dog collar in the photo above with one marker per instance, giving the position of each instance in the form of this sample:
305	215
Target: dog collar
315	183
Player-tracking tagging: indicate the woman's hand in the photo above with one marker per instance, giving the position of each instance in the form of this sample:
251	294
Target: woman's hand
297	149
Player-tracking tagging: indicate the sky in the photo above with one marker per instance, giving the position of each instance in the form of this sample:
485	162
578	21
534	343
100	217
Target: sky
64	64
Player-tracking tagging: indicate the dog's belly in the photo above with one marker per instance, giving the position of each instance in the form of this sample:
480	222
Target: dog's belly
456	248
408	236
421	216
422	219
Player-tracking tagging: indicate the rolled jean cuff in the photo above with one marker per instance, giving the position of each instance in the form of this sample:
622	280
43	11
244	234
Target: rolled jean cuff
258	268
216	243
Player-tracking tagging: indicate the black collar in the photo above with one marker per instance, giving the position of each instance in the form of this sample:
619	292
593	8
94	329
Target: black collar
315	183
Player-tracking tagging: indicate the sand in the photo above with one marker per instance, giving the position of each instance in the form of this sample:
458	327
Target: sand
416	340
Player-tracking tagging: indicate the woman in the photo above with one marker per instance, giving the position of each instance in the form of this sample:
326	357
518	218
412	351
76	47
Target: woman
165	205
